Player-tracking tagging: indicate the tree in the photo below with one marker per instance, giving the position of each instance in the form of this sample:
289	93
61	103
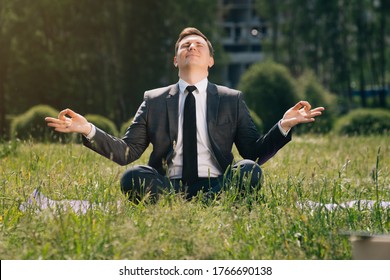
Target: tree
384	11
344	42
4	54
97	59
271	10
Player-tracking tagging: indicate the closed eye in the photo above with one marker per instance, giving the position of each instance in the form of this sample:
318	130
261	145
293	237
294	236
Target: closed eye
188	44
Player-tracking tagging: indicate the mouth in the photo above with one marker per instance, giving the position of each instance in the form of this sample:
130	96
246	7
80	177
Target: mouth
192	55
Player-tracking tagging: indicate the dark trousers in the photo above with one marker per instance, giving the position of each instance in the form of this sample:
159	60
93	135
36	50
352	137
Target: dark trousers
140	180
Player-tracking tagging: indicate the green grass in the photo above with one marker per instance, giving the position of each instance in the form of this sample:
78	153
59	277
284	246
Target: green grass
263	225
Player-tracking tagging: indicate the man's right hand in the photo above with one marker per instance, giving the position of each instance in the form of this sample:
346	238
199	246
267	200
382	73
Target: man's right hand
69	121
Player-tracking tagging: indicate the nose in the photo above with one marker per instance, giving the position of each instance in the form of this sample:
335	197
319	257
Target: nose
192	46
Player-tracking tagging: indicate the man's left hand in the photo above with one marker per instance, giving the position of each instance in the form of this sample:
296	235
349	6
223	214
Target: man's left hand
300	113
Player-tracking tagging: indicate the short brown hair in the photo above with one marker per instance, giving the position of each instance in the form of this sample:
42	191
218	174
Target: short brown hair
193	31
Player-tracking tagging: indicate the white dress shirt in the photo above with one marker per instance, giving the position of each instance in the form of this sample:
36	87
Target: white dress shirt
207	164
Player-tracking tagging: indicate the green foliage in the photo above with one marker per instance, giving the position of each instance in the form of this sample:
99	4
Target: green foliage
310	89
257	121
364	122
31	125
339	42
103	123
269	90
8	148
50	52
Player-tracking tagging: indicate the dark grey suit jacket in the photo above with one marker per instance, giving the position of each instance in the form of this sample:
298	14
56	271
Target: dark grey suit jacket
156	123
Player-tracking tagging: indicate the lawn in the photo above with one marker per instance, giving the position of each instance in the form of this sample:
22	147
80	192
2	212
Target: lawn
265	224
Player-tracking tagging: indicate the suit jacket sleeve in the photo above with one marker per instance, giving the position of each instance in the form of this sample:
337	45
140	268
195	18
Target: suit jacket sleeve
122	150
249	142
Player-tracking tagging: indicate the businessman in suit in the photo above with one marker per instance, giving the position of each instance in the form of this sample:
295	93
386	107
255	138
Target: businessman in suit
192	126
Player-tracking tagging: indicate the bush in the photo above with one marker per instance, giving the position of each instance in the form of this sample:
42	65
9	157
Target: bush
5	133
269	90
364	122
103	123
310	89
31	125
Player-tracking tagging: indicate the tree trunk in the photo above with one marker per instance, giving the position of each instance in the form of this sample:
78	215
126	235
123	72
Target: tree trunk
3	76
275	30
2	105
383	12
361	38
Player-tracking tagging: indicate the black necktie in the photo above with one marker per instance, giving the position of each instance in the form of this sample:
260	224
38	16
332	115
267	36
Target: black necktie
190	149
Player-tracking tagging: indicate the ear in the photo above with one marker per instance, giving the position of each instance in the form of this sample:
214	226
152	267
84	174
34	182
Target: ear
211	61
175	61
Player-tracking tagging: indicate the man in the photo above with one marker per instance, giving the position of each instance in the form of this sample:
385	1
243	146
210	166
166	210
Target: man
191	151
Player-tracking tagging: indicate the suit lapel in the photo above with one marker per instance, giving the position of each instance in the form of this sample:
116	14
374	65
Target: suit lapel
213	101
173	111
212	107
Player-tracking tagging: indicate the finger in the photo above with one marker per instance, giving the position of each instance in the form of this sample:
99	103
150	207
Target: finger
318	109
297	106
61	124
63	130
315	112
53	120
57	123
311	120
54	124
67	112
71	113
307	120
306	105
62	114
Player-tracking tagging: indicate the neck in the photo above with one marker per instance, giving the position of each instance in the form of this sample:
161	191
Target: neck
192	77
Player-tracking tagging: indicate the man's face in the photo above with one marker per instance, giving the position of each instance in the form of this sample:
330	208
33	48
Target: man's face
193	51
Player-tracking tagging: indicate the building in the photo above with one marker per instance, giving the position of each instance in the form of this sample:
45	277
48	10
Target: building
242	37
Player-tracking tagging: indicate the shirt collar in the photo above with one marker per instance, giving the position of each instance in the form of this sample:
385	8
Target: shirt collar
201	85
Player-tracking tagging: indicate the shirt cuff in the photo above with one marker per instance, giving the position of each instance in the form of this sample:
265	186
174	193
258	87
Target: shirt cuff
285	133
92	133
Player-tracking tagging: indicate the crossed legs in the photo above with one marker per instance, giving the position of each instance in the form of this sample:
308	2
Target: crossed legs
140	180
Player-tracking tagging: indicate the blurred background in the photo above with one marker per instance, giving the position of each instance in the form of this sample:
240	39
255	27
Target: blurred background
98	57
